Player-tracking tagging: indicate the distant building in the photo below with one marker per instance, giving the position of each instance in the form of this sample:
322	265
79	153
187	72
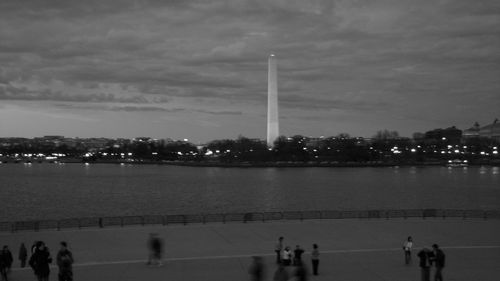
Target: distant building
472	132
450	135
491	131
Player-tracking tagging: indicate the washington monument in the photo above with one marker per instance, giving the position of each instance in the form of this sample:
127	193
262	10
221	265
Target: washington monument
273	128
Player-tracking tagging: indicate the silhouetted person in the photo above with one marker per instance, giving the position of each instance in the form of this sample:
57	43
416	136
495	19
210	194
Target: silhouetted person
287	256
281	274
3	266
257	270
23	255
438	258
300	272
65	263
425	263
40	261
315	259
278	249
297	255
7	256
407	246
155	249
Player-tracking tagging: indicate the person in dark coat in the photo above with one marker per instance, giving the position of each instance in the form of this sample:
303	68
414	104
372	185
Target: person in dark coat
257	269
7	256
40	261
281	274
23	255
3	266
278	248
438	259
297	255
65	263
300	272
315	259
155	249
425	263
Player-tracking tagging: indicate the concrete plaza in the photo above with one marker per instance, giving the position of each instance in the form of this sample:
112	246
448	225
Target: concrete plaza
351	249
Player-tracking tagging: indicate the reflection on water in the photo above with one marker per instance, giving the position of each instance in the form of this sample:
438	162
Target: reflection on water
483	170
78	190
495	170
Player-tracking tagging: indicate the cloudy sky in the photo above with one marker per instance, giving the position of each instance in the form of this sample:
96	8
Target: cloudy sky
198	69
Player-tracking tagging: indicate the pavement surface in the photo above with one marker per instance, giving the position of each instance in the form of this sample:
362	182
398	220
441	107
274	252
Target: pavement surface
351	249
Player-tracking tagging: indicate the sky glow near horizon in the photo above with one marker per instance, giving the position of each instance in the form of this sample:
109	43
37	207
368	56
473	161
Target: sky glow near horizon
198	69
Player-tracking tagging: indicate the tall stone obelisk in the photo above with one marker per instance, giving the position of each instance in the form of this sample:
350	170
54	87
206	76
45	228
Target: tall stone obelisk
273	130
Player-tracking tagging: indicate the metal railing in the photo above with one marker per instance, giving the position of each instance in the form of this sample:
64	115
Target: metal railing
101	222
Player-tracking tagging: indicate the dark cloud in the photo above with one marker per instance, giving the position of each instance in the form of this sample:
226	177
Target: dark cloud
307	102
393	57
225	112
107	107
9	92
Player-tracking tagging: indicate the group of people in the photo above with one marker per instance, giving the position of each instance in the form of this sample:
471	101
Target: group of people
286	257
39	261
427	259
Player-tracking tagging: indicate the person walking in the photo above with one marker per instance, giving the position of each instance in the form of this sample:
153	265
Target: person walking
23	255
297	255
407	246
300	272
155	250
438	259
40	261
3	267
425	263
65	263
7	256
315	259
257	269
281	274
278	248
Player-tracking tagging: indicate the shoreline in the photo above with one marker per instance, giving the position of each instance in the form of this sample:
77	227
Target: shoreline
261	164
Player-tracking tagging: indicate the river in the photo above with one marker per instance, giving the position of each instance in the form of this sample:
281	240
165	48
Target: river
55	191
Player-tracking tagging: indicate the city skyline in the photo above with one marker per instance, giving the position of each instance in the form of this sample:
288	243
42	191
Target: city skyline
197	70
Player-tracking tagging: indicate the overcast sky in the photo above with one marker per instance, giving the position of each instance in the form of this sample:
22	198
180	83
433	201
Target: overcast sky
198	69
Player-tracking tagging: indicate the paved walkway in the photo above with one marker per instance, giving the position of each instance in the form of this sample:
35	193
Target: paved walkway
351	250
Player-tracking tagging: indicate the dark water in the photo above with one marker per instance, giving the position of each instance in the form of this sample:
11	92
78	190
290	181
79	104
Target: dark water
49	191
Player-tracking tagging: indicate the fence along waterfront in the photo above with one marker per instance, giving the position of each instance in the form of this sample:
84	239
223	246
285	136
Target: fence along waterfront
101	222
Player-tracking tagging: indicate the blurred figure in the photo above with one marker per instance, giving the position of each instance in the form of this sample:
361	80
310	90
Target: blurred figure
40	261
155	250
278	249
23	255
297	255
3	266
438	258
281	274
407	246
301	272
257	269
7	256
315	259
425	263
65	263
287	256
